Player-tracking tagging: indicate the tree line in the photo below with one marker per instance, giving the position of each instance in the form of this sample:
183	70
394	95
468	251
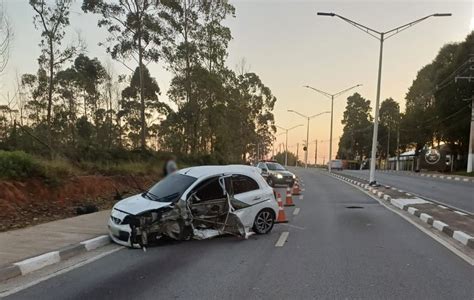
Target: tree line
75	106
437	111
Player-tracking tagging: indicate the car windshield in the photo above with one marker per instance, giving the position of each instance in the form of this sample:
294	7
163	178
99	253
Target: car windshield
275	167
170	188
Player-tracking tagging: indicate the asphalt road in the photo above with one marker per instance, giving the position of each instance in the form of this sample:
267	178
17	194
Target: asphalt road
455	193
332	252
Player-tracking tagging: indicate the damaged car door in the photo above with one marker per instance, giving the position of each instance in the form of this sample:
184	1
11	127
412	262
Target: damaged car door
211	210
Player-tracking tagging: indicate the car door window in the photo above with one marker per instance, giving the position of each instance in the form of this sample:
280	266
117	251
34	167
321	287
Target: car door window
242	184
209	189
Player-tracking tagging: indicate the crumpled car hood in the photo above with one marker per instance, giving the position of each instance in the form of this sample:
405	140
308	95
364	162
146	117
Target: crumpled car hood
137	204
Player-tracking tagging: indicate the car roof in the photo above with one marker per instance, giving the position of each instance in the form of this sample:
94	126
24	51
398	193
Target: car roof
205	171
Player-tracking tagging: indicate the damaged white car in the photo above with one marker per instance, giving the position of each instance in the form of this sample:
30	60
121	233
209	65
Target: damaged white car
198	202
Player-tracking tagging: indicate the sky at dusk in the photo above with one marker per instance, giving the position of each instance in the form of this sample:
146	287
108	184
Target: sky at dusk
288	46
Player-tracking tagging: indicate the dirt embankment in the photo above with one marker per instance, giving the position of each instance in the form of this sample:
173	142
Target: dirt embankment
32	202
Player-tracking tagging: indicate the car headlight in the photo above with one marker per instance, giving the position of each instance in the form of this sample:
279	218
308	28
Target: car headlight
294	176
279	176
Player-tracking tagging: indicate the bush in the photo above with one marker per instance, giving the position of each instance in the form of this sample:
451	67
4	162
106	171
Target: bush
19	165
59	168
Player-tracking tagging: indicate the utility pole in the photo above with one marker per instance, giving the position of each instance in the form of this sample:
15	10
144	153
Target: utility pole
397	167
388	149
316	154
297	155
470	155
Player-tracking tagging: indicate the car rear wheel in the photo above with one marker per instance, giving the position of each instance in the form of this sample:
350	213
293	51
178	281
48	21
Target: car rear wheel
264	221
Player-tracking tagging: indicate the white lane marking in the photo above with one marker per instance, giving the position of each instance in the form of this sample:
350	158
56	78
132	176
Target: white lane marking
283	237
460	213
292	226
62	271
296	211
301	197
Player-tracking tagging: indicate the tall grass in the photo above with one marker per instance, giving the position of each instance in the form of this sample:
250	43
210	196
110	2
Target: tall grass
18	165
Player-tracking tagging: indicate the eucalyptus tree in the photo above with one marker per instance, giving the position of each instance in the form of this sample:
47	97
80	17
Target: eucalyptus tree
136	31
52	19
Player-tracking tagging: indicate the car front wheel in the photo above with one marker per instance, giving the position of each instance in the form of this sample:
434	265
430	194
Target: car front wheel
264	221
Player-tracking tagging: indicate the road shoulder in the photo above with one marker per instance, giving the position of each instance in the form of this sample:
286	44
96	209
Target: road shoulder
424	214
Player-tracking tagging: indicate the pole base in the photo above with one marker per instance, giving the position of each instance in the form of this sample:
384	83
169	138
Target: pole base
374	183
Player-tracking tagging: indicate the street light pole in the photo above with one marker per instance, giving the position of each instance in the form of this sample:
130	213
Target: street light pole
330	133
331	96
286	140
381	36
307	131
307	146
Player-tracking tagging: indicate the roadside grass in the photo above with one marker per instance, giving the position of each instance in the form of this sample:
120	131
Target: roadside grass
464	174
18	165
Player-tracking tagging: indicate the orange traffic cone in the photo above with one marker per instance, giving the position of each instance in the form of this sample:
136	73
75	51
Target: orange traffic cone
296	188
289	198
281	212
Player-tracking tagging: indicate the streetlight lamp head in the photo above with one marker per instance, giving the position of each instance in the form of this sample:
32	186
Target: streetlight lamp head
326	14
443	15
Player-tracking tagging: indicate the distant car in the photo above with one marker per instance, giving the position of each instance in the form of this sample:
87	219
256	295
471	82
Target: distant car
336	164
198	202
276	174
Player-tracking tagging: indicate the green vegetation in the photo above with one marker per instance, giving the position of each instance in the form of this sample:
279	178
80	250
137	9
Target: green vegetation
75	115
437	111
18	165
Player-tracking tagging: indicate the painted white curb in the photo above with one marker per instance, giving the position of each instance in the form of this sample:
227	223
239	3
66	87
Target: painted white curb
461	237
439	225
38	262
425	217
96	242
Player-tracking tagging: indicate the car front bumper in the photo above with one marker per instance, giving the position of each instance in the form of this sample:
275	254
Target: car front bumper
283	181
120	234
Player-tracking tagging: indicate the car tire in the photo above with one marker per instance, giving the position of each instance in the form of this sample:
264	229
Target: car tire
264	221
